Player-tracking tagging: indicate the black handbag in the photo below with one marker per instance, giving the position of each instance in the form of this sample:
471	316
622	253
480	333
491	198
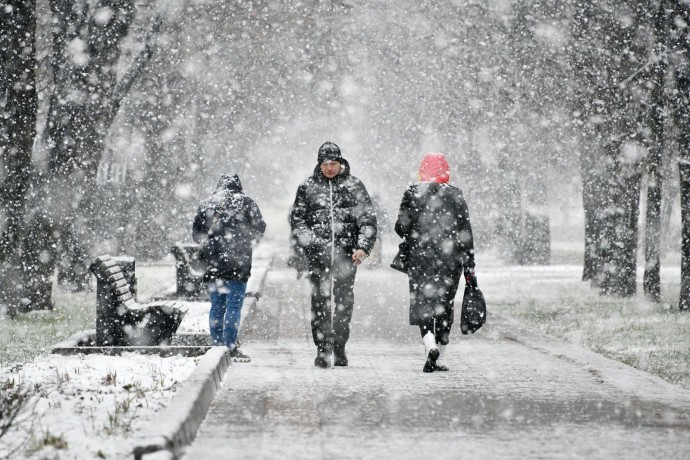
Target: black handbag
473	314
400	260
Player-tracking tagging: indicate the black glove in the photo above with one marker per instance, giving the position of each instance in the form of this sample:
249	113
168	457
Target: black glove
471	278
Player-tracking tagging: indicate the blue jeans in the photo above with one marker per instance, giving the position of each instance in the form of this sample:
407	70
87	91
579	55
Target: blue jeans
227	297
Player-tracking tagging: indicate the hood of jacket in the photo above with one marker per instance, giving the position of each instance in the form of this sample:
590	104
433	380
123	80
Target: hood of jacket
229	182
434	168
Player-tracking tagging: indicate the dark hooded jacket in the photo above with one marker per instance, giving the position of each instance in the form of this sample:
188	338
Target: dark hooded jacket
227	225
331	218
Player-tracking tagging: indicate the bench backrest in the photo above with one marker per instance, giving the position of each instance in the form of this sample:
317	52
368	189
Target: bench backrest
189	270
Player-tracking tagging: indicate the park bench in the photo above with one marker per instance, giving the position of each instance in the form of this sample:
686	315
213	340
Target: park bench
120	319
189	271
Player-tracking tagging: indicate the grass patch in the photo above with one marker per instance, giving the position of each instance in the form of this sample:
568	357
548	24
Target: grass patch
650	337
29	334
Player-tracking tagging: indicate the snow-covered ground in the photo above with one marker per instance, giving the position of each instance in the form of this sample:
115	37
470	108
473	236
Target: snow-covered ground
90	406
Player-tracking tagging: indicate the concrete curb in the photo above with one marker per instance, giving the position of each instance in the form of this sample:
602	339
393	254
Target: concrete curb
176	426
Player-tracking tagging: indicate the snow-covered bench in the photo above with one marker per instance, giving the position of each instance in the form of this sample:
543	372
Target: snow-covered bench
120	319
189	271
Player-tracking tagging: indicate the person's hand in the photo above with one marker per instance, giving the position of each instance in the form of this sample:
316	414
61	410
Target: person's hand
358	256
471	278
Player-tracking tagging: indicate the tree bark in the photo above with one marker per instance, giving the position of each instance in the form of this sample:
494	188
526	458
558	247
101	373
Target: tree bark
591	201
583	63
683	114
684	173
679	43
652	269
19	102
618	246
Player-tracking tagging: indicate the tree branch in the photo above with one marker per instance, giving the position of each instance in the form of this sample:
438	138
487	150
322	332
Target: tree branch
122	88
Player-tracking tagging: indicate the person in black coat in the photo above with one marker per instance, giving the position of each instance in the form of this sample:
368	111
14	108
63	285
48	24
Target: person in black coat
227	226
333	227
434	223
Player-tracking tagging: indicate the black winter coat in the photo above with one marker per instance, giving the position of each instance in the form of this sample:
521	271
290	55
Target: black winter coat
331	218
434	221
227	225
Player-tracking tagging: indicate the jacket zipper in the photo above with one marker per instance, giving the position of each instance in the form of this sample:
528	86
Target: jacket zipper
332	226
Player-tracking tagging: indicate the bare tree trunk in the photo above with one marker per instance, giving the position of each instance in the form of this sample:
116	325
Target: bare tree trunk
19	102
619	239
652	268
86	98
684	173
683	112
592	193
679	41
630	199
583	64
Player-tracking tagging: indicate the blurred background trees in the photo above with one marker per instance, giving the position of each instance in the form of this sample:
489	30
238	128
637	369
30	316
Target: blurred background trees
138	108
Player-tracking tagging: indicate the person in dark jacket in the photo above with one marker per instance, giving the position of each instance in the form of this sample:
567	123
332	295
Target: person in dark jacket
227	225
333	226
434	223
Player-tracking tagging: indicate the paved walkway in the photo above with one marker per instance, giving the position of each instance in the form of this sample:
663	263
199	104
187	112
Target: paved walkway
511	392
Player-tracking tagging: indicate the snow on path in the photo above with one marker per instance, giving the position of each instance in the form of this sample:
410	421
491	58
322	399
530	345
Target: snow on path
503	398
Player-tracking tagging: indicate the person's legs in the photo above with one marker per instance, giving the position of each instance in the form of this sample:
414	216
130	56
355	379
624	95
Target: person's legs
426	327
343	293
444	321
442	336
423	295
233	311
216	313
431	351
321	314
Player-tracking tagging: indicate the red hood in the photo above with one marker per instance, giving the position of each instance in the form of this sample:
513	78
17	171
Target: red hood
434	168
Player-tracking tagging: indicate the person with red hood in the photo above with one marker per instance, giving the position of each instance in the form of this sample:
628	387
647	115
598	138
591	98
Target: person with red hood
434	222
333	226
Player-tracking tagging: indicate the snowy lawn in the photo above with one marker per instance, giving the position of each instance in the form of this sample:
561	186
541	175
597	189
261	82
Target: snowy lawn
83	406
651	337
88	406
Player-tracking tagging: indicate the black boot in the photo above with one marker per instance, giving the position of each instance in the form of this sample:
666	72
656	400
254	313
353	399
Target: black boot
323	358
430	364
340	357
